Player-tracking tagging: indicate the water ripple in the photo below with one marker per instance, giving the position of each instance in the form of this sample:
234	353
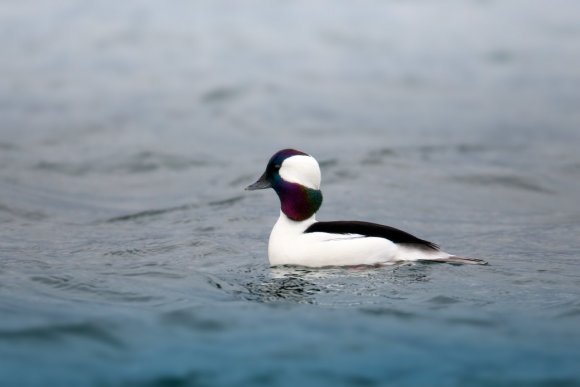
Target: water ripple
150	213
192	319
56	333
222	94
227	202
507	181
289	288
95	287
388	312
24	214
141	162
190	378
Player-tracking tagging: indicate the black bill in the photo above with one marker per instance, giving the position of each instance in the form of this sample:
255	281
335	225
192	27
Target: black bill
262	183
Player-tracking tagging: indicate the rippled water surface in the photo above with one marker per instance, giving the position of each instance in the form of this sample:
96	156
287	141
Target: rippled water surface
130	254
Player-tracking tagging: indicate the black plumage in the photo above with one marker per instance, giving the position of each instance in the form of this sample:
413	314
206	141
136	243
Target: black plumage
368	229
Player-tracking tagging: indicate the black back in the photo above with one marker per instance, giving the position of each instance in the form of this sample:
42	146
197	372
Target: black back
370	230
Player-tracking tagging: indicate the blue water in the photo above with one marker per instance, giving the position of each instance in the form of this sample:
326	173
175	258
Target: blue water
130	254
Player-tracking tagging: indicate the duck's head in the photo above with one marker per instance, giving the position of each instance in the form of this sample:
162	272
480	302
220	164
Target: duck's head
295	176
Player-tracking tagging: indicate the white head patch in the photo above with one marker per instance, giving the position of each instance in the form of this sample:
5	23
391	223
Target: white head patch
301	169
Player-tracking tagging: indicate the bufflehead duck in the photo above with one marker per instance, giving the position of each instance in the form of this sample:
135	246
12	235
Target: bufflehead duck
299	239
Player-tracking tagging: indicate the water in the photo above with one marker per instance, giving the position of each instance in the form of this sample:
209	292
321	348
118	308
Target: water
130	254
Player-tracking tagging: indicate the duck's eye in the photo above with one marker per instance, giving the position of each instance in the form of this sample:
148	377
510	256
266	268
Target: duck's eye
277	167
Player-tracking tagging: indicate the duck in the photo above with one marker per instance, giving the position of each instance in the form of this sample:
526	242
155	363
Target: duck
299	239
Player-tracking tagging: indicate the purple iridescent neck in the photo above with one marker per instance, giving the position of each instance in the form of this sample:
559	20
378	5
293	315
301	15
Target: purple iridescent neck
297	201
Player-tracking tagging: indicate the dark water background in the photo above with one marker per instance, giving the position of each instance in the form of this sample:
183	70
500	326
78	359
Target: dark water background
130	254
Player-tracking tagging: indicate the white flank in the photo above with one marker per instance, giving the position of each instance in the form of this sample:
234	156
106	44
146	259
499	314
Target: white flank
289	245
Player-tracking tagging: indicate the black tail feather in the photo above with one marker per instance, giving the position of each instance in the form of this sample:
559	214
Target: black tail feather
454	260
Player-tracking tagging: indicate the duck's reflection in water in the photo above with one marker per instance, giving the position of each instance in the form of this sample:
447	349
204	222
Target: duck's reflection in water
284	284
301	284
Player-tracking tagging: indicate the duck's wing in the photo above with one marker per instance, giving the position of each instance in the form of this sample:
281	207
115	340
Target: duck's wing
368	229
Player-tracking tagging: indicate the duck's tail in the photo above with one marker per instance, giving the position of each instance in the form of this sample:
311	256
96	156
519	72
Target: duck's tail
455	260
